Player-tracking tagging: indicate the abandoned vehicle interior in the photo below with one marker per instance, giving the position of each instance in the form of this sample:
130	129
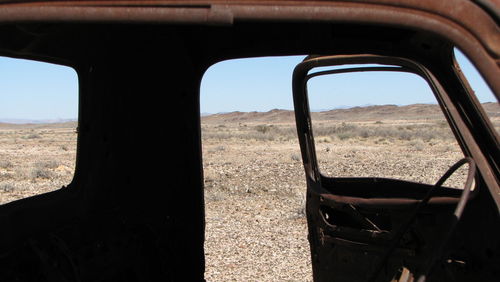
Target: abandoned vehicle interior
140	65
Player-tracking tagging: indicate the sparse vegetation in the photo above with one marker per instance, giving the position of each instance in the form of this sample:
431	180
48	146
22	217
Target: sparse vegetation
328	132
50	164
34	159
254	179
7	188
256	185
33	136
6	164
410	132
417	144
296	157
40	172
263	128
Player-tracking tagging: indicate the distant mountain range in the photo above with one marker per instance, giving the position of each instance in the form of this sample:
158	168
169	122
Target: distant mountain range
35	121
367	112
370	112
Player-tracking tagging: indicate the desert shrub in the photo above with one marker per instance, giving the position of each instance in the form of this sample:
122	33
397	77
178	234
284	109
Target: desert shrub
417	145
271	133
296	157
33	136
6	187
4	176
263	128
345	135
328	133
38	172
6	164
215	196
217	135
47	164
335	129
43	169
259	136
405	135
410	127
345	131
217	149
301	209
365	133
286	133
442	124
261	132
324	139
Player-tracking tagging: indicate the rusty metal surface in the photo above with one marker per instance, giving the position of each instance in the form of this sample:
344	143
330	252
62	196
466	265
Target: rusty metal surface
117	48
462	13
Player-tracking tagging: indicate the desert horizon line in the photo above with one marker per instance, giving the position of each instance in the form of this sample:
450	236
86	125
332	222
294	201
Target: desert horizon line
342	107
9	120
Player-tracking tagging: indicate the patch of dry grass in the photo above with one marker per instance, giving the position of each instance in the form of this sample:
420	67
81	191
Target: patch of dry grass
249	166
254	181
35	160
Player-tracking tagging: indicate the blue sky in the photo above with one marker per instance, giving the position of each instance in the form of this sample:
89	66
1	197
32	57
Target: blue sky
263	84
37	91
347	90
40	91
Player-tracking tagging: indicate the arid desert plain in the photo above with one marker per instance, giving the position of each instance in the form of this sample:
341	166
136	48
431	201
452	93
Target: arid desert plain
254	180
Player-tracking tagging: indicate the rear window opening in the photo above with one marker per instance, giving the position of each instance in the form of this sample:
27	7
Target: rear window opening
38	120
254	181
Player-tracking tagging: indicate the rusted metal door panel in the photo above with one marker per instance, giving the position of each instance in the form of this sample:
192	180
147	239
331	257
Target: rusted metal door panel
376	229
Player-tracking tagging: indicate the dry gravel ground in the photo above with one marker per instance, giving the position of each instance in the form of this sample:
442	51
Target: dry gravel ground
254	183
254	190
35	159
255	228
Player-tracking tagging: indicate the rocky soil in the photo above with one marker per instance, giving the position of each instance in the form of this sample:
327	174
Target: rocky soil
254	190
35	159
254	180
256	229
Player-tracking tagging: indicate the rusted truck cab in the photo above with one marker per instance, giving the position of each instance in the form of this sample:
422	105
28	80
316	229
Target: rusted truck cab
135	209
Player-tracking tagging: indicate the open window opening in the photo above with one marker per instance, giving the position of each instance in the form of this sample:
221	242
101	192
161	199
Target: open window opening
480	89
380	121
356	201
38	120
254	181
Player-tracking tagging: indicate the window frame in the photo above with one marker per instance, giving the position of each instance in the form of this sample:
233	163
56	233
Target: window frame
303	117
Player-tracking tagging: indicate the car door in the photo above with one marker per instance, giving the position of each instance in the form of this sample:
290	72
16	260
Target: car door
380	228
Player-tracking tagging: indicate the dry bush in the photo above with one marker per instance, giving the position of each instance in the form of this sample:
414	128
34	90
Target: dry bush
261	132
7	188
43	173
6	164
329	132
263	128
51	164
33	136
408	132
